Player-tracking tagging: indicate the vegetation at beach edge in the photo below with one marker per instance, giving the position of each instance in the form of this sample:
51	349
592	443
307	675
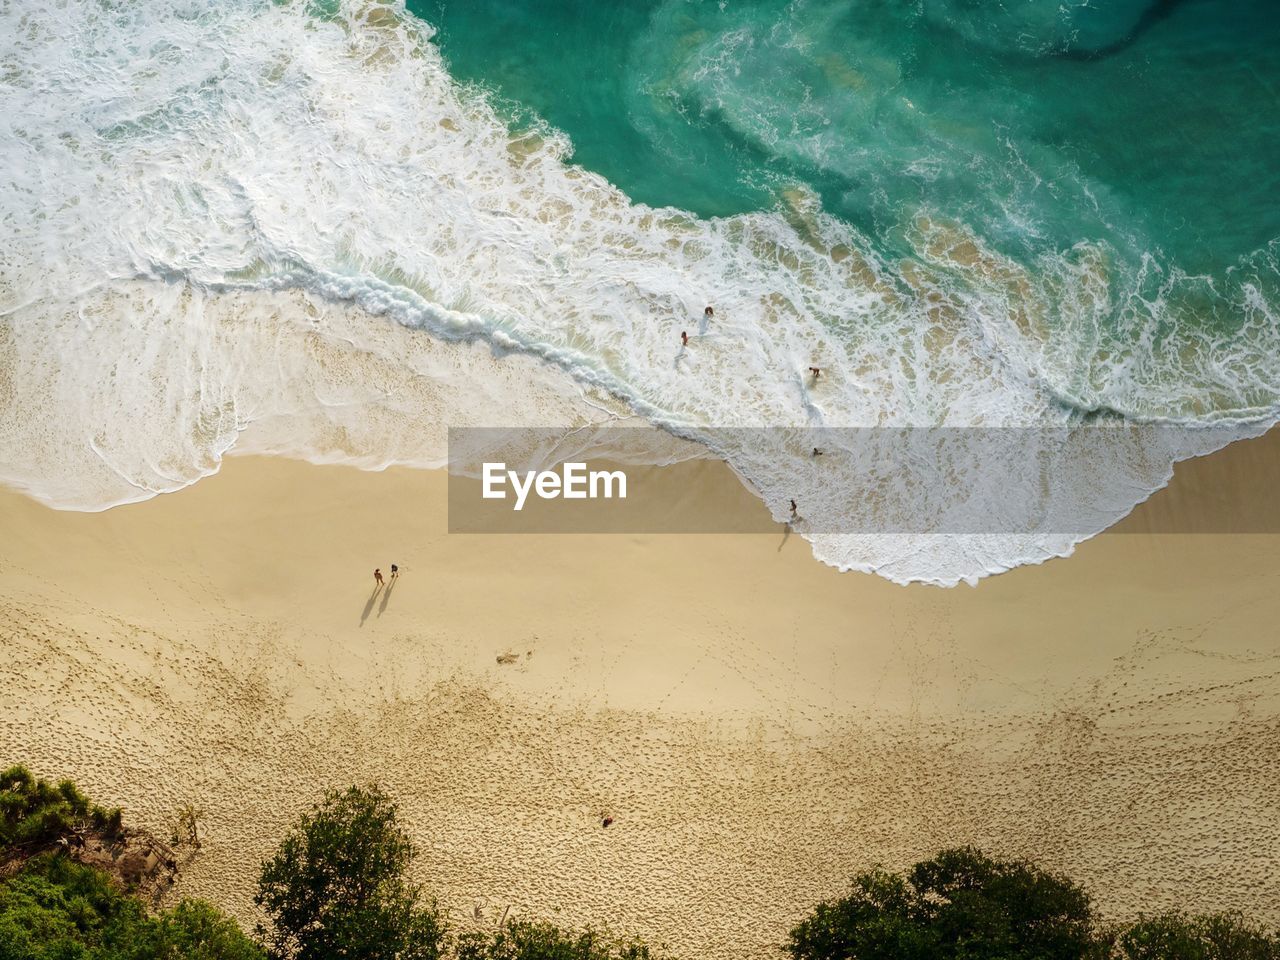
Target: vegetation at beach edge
339	886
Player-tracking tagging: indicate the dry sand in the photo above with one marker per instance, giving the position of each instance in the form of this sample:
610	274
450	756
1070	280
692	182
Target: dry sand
760	726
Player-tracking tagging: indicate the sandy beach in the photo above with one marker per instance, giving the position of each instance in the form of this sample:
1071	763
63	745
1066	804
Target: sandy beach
759	726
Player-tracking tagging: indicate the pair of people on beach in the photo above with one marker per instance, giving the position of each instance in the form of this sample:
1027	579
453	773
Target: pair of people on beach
377	574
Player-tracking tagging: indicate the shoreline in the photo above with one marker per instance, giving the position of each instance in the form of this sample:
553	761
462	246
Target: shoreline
760	726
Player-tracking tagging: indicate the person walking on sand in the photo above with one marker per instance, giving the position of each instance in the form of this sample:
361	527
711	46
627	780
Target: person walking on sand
684	338
377	577
395	571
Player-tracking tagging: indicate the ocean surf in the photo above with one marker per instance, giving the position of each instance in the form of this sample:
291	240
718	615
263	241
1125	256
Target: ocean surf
289	228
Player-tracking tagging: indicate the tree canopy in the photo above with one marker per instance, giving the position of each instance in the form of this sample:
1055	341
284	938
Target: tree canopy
35	813
961	904
965	905
543	941
56	909
1176	936
337	887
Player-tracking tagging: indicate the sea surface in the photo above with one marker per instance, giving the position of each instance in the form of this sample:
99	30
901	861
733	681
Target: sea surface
333	229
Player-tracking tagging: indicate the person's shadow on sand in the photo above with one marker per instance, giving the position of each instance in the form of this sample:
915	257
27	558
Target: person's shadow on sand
368	607
386	597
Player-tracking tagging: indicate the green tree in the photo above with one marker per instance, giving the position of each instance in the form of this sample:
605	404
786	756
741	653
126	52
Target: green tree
880	918
195	930
56	909
522	940
336	887
1176	936
35	813
961	905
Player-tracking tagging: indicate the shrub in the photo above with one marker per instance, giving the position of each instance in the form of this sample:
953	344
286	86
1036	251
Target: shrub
56	909
35	813
336	887
543	941
195	930
961	904
1176	936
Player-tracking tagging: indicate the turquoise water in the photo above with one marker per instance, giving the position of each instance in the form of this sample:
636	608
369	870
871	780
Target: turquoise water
1151	127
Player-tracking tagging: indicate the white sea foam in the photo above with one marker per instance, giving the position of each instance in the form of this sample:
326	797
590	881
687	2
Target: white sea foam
241	227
